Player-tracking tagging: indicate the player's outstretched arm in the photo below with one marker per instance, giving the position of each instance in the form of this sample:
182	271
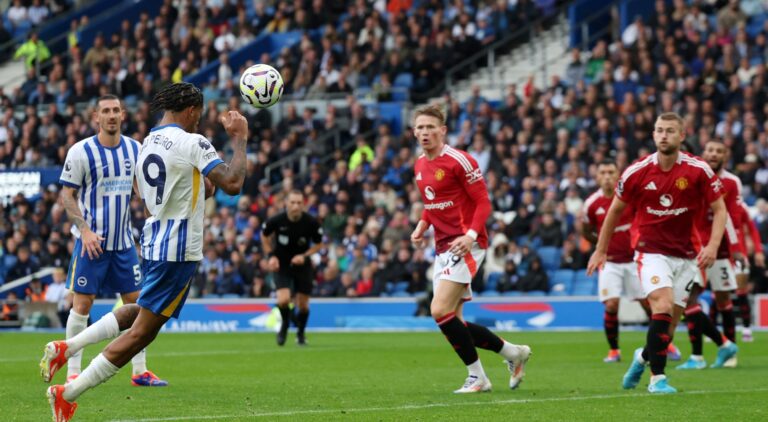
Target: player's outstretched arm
230	177
91	241
598	258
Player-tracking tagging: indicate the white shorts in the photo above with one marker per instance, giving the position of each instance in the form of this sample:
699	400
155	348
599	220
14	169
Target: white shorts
721	276
450	267
617	280
657	271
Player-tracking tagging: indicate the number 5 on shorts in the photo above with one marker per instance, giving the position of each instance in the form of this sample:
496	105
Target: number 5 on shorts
137	274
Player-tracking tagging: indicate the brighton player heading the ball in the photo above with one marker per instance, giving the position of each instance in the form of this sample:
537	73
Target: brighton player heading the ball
172	166
667	188
456	204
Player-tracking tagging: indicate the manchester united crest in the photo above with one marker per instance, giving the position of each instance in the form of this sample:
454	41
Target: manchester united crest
439	175
681	183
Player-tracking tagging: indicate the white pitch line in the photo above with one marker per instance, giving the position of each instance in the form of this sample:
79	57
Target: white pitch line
433	405
265	350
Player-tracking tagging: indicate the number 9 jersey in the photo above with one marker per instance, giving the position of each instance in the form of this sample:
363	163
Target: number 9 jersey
169	174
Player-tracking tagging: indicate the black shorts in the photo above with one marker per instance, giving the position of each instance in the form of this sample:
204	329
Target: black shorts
299	280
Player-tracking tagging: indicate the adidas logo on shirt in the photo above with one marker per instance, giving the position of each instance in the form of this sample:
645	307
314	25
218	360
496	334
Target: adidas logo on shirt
650	186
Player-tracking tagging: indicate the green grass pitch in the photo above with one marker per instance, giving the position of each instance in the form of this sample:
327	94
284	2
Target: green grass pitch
385	376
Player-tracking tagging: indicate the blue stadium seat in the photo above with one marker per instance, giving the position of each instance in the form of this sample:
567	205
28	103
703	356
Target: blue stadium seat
561	280
403	80
401	286
401	294
582	289
492	281
584	285
560	292
550	257
489	293
536	293
512	293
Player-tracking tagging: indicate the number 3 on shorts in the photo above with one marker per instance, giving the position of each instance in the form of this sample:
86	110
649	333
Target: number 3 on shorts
137	274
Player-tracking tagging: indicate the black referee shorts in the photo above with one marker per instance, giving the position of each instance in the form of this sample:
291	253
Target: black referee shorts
298	279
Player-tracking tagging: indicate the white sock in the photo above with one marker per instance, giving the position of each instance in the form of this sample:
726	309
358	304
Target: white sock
76	323
697	358
657	378
509	351
726	343
103	329
476	369
99	371
139	362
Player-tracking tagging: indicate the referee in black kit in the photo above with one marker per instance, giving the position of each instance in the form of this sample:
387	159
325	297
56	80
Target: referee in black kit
286	239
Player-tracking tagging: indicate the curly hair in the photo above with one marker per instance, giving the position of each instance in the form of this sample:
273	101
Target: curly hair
177	97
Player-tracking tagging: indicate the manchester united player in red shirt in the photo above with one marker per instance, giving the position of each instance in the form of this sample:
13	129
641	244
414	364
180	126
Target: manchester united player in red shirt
619	275
720	275
666	188
456	204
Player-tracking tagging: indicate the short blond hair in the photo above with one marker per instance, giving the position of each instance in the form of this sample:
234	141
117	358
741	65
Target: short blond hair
431	110
671	115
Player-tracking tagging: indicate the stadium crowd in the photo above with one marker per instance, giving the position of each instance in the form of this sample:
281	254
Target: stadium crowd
537	147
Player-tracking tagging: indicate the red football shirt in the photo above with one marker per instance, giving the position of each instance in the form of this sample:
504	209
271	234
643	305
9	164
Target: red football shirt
731	196
455	196
666	202
754	233
595	210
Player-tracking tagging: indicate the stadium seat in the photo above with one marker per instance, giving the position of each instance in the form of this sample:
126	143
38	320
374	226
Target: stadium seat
490	293
403	80
230	296
561	280
210	296
401	286
401	294
584	285
550	257
582	289
493	281
512	293
536	293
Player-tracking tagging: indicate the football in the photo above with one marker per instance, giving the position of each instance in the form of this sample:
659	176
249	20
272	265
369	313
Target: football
261	86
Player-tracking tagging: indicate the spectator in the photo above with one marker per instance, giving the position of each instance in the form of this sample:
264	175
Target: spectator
24	266
548	230
535	278
36	291
58	293
17	14
34	51
10	307
38	12
510	280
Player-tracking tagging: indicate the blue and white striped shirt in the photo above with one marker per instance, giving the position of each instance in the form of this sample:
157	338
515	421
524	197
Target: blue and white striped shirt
104	178
170	175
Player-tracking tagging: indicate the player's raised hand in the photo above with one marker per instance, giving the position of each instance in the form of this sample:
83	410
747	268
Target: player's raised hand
596	262
91	244
235	124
